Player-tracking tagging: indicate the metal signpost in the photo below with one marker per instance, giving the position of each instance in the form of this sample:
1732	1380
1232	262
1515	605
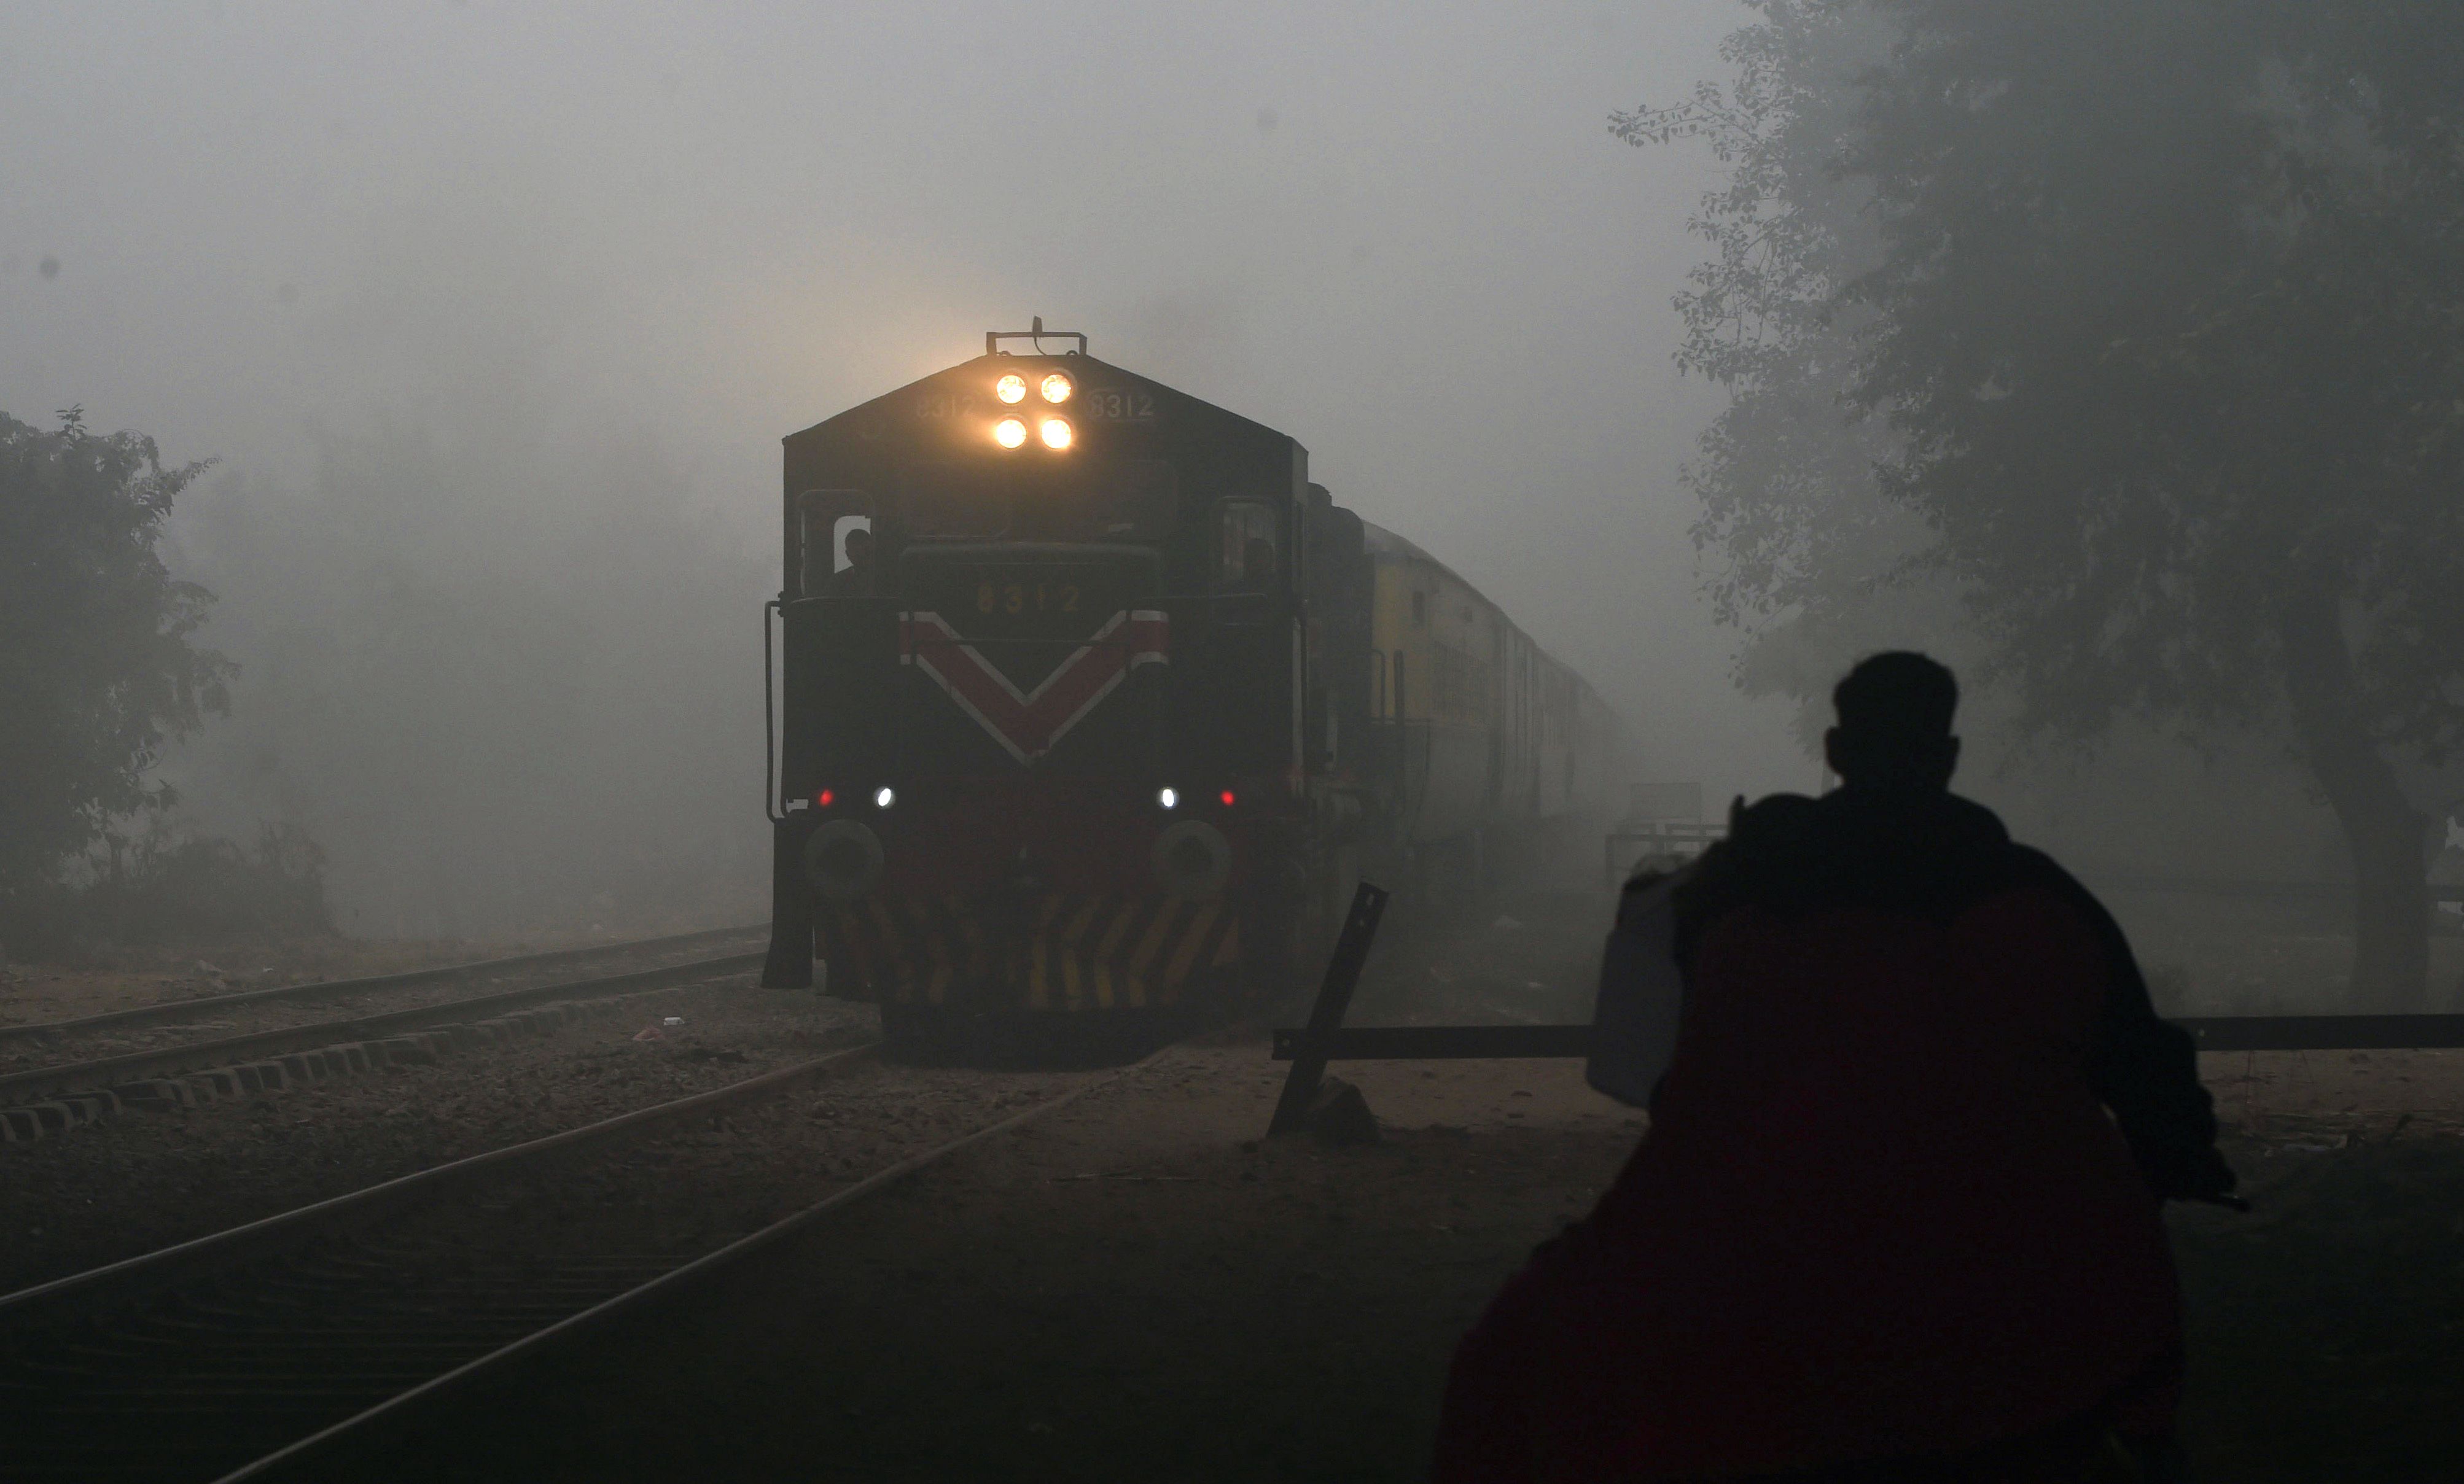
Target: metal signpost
1309	1048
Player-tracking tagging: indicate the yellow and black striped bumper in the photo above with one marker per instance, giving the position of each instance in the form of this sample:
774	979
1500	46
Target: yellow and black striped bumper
1053	952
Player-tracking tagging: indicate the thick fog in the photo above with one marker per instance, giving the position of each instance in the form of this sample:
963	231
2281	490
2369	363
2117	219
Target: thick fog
493	314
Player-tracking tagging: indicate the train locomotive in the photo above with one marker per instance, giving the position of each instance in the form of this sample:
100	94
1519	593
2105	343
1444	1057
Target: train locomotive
1087	701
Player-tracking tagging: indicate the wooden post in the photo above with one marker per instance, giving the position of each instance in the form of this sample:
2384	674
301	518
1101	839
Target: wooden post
1325	1015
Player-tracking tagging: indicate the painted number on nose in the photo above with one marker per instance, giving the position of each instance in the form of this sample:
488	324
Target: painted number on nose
1118	405
1015	598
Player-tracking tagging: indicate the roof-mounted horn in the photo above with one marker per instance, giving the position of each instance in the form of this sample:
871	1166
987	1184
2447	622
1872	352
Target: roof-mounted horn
994	337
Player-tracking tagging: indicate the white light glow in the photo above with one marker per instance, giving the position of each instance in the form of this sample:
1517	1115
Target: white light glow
1056	432
883	799
1009	433
1168	797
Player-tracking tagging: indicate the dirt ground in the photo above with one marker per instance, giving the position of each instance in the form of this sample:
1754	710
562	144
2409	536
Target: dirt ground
2326	1328
1140	1289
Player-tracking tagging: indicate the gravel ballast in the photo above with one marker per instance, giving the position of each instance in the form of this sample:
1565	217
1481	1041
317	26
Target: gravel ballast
209	1021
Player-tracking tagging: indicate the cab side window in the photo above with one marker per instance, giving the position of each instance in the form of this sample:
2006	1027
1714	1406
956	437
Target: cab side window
1248	551
827	519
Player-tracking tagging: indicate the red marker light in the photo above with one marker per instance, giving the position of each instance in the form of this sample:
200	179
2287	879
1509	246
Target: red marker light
1228	799
825	797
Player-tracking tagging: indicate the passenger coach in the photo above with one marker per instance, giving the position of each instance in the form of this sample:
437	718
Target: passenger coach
1088	700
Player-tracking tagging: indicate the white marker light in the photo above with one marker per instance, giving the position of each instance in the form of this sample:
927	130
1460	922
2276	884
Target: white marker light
1011	388
1009	433
1167	798
1056	432
1056	388
883	799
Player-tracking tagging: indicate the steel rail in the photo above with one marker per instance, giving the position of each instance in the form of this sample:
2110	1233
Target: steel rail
104	1071
271	1330
80	1295
172	1009
366	1427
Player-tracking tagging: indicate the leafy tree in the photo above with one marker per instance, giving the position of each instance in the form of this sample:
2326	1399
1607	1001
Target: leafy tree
2162	348
1807	556
98	670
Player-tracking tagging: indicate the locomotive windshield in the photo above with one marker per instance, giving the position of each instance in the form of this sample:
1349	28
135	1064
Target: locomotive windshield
1128	500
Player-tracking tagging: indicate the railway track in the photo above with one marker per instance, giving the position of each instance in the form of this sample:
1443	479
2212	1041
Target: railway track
191	1009
108	1073
283	1054
286	1342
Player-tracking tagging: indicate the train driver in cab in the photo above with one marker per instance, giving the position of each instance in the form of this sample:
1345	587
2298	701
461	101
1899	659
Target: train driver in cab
1256	565
855	578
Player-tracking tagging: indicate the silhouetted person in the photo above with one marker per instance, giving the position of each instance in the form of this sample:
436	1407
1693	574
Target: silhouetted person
855	578
1882	1226
1257	564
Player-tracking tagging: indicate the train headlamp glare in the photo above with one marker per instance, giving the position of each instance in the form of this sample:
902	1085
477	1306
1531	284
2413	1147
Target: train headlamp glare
1167	798
1012	387
883	799
1009	433
1056	432
1056	390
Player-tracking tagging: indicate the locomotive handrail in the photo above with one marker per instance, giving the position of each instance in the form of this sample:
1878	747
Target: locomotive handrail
798	601
770	788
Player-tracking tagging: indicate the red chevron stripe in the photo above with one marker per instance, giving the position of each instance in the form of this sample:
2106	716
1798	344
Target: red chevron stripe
1028	724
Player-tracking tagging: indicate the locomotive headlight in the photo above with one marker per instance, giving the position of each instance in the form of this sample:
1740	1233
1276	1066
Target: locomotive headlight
1167	798
1010	433
1056	390
883	799
1012	388
1056	432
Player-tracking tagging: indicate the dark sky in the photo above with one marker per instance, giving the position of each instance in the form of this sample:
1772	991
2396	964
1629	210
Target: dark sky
1401	232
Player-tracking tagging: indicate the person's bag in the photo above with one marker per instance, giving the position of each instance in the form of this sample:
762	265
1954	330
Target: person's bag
1633	1021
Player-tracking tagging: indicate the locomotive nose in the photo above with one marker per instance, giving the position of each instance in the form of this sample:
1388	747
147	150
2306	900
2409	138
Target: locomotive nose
843	859
1192	859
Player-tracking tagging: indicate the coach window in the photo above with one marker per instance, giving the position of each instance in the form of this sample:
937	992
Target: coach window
1248	556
